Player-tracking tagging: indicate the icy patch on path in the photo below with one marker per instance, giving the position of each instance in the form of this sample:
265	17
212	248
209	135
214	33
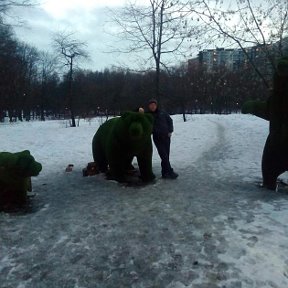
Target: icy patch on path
256	248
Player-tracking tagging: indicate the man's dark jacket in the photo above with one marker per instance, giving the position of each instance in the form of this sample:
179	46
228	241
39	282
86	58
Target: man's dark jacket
163	123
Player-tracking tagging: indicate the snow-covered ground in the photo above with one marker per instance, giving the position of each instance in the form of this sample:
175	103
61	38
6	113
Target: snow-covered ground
212	227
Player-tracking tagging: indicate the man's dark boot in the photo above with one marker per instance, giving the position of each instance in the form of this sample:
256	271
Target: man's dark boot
170	175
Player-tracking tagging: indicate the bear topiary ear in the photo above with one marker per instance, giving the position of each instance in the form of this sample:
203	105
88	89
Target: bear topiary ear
125	114
282	66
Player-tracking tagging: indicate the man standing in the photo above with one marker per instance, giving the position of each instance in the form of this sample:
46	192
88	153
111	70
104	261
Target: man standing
162	131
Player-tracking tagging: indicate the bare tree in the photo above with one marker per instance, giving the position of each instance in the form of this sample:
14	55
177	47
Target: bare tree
160	27
7	5
70	50
247	23
47	68
27	71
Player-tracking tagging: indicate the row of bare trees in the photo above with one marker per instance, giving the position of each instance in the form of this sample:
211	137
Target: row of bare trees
247	23
31	87
29	77
43	94
25	77
160	31
169	28
157	30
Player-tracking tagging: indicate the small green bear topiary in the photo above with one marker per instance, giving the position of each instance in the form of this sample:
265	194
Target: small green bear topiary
118	140
275	110
15	172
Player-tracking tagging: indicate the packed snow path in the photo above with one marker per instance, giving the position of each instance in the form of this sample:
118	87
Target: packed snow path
212	227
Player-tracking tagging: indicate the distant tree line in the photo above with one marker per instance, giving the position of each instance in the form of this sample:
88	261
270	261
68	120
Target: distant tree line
31	88
26	87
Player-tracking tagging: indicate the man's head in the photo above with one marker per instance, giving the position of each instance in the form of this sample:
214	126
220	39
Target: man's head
152	105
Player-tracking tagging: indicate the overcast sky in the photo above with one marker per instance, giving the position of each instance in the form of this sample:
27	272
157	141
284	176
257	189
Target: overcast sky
87	18
90	21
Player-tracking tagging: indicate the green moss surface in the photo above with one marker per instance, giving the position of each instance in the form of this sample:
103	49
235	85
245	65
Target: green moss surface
275	109
15	172
118	140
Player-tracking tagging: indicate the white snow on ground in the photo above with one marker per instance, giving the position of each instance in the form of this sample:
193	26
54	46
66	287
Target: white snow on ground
54	145
212	227
263	258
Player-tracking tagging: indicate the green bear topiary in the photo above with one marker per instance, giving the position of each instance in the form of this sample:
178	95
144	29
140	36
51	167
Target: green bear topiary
257	108
275	110
118	140
15	172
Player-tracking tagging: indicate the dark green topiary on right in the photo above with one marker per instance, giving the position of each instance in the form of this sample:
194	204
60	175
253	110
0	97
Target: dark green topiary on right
257	108
275	110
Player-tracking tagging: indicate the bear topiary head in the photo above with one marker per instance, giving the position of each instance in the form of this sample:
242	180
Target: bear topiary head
280	84
21	164
15	172
282	67
253	107
138	125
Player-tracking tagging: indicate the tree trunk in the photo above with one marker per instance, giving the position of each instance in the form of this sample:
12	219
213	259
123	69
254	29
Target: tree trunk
184	116
71	102
2	116
157	82
42	117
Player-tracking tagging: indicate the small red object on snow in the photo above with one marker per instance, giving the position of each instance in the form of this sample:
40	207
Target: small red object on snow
90	170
